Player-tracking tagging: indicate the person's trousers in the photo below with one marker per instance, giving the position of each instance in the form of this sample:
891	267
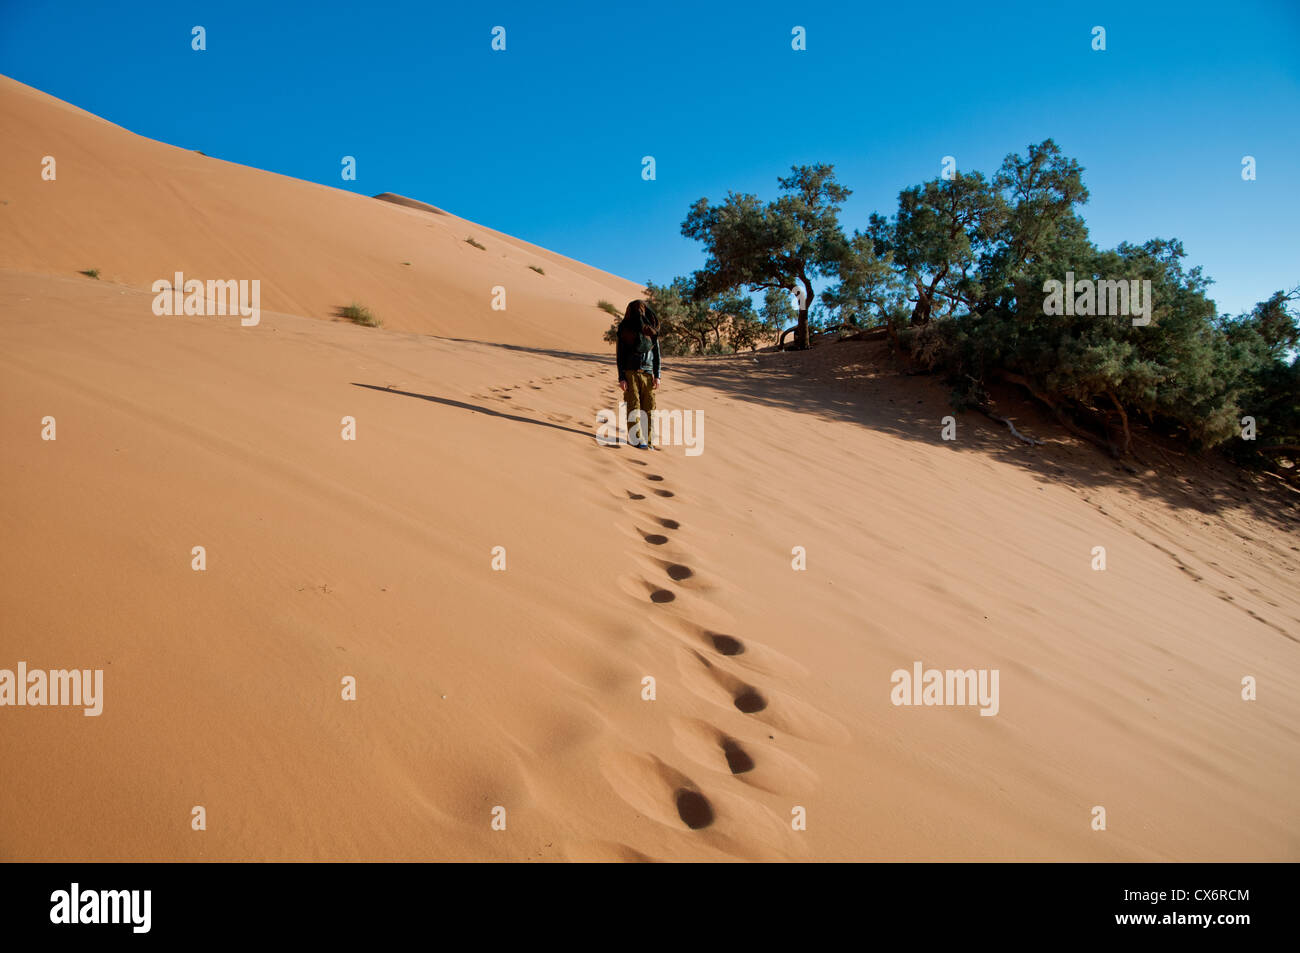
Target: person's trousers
640	397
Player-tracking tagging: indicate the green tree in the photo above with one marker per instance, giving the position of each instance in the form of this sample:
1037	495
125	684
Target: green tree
935	241
1264	344
691	324
975	258
869	290
744	327
777	312
783	244
1039	192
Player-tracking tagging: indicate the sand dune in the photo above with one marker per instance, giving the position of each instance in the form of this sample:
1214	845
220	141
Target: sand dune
523	689
138	210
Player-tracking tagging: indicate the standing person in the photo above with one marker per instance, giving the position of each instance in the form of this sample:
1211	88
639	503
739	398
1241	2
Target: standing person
637	359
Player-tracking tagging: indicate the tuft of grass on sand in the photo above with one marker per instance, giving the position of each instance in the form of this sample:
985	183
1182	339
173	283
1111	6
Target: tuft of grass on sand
610	307
536	269
470	241
406	263
90	272
360	314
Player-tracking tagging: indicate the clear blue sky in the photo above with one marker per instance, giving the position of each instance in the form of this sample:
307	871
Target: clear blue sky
545	140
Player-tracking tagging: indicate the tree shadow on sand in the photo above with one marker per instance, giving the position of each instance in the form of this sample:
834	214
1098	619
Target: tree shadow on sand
859	383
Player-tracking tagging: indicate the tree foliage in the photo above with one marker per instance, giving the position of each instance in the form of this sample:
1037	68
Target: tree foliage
960	275
689	324
783	244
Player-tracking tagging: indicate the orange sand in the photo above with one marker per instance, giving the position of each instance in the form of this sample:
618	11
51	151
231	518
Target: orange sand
522	688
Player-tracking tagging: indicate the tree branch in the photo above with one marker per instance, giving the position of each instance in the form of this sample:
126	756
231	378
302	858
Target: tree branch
1003	420
1064	421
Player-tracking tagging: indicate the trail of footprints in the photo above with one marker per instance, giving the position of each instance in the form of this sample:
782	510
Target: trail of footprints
705	655
504	393
705	660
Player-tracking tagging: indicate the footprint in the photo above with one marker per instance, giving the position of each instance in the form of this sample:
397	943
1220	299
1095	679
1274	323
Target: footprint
761	765
738	759
694	809
749	700
679	572
669	524
664	493
726	822
710	636
776	709
638	528
657	790
639	587
681	575
635	496
654	476
726	644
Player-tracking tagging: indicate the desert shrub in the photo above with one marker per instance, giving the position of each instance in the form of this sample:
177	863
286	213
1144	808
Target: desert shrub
359	314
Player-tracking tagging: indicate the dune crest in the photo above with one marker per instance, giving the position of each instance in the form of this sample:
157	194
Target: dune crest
138	210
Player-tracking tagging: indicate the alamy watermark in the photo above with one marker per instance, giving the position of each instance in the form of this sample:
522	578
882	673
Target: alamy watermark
194	297
84	687
1101	297
946	687
130	907
684	428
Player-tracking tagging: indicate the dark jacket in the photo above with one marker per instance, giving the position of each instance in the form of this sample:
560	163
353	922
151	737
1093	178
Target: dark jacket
636	351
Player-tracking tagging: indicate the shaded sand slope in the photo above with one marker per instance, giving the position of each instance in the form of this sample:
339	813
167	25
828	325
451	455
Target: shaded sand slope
372	558
138	211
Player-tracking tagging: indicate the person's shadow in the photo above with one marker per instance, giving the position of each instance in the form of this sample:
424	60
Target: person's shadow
478	408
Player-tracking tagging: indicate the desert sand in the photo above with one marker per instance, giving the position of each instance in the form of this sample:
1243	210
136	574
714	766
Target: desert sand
523	689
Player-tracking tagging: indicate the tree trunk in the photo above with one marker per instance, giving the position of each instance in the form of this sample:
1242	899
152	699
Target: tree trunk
1128	439
801	337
